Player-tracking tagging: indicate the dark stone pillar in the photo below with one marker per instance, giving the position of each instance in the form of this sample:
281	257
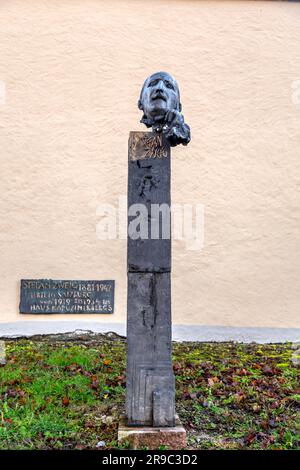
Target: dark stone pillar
150	397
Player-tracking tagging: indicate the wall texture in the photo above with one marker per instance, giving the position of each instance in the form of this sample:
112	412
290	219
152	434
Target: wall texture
72	71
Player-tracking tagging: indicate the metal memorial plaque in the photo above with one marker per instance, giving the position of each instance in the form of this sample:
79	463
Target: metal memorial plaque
52	296
143	145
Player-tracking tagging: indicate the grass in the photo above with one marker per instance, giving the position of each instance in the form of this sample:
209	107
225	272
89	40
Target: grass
69	395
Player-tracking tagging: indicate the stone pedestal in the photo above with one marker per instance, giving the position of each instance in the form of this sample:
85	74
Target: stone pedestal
172	438
150	399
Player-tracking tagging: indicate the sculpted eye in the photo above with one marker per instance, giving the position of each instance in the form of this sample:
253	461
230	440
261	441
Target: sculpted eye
169	85
152	83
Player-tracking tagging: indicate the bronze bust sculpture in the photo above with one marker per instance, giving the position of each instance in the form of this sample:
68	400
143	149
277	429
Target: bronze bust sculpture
160	102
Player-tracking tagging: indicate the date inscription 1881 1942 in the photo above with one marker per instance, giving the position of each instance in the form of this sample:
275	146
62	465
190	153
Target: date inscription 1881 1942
51	296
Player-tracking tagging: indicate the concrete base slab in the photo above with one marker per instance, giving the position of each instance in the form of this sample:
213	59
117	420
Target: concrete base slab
173	438
22	328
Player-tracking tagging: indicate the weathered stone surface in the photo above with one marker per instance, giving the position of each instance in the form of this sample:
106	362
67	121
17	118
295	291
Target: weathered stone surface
150	380
2	353
150	399
149	186
174	438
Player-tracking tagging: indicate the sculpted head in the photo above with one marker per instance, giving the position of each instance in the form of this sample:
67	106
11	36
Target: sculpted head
160	94
160	103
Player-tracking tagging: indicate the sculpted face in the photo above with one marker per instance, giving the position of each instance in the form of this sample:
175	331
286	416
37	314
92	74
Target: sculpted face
160	103
159	95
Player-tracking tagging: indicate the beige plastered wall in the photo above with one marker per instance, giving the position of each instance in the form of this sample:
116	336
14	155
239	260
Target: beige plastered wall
72	71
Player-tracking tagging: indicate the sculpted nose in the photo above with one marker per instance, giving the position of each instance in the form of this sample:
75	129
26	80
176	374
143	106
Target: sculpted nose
159	86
